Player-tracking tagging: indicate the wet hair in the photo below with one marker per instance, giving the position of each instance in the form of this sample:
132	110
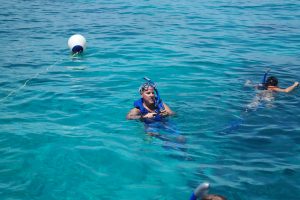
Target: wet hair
145	86
213	197
271	81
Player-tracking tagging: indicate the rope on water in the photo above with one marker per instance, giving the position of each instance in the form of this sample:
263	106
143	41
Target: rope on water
15	91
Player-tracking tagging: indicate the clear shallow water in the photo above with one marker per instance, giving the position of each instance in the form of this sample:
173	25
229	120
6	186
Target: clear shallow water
64	134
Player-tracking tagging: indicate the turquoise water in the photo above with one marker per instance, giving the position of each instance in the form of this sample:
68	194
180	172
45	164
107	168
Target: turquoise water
63	130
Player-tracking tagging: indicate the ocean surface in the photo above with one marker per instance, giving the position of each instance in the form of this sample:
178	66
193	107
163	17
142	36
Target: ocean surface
63	131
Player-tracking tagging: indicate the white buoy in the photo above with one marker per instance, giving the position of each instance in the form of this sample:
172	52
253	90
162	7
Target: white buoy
77	43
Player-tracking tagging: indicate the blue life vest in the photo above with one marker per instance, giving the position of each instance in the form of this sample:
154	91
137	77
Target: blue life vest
139	105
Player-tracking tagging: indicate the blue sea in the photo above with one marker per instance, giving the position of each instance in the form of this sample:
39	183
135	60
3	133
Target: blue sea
63	131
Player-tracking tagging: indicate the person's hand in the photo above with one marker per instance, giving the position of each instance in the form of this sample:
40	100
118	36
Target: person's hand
296	84
248	83
164	113
149	115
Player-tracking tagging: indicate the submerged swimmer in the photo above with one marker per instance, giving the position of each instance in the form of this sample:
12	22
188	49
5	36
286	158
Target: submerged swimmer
269	85
267	88
213	197
272	85
200	193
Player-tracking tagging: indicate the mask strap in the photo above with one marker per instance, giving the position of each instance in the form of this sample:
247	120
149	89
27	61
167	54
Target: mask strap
264	80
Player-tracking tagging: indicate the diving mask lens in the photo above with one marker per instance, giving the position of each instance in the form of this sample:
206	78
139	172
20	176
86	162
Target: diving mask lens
146	85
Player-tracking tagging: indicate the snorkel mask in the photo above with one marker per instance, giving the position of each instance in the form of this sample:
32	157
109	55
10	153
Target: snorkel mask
148	84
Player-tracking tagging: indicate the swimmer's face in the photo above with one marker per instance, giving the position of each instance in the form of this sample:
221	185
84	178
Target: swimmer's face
149	95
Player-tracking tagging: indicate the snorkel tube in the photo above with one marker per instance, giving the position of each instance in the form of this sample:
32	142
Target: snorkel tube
200	191
264	80
262	85
158	99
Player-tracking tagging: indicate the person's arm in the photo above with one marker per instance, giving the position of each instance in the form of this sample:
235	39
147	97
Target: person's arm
134	114
289	89
167	111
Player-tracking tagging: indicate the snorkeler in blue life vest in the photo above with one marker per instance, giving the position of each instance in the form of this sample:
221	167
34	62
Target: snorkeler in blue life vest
149	108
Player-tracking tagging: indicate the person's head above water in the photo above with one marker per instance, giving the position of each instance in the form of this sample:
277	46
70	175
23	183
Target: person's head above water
148	96
272	85
271	81
213	197
201	191
149	93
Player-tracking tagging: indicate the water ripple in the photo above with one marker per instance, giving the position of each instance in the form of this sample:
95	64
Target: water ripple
63	129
